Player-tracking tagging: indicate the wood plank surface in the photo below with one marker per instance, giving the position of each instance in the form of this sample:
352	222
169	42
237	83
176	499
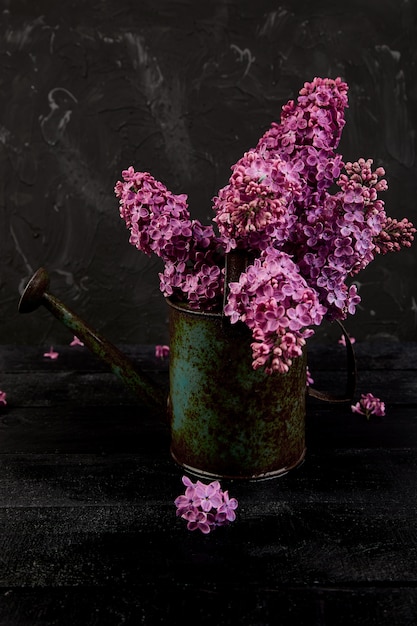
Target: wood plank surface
88	527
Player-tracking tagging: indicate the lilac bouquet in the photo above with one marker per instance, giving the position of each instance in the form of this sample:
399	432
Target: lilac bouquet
302	239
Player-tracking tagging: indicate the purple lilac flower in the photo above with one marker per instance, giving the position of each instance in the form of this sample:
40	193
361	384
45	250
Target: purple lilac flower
204	507
190	499
210	495
336	240
309	131
3	397
309	378
51	354
394	235
258	203
275	302
76	342
161	351
369	405
226	510
158	219
198	520
199	283
159	223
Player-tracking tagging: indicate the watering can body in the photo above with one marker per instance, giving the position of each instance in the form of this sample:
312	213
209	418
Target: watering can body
226	418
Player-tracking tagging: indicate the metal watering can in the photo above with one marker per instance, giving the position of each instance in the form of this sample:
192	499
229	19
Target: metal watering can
226	419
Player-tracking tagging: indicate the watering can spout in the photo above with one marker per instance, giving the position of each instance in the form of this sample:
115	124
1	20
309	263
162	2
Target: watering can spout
36	294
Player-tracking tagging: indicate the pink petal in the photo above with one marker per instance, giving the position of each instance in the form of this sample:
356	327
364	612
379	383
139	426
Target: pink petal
51	354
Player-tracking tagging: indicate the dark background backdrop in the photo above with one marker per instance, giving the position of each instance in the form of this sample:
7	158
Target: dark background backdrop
180	89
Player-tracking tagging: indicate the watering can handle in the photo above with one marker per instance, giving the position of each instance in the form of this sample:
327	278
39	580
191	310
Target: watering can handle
351	375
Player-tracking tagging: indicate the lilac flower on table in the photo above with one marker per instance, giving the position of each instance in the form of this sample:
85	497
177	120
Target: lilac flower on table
52	354
190	500
3	397
161	351
210	495
226	511
204	507
76	342
198	520
369	405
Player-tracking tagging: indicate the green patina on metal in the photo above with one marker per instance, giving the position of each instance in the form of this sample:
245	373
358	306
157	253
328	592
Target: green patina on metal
226	418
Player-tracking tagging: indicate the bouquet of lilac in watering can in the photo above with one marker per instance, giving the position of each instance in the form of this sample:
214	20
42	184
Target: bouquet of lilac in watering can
303	240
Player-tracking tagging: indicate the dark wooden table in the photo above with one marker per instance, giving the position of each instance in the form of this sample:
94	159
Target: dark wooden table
88	530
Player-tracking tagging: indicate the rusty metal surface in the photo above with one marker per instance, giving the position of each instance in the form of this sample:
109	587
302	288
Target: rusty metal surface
226	418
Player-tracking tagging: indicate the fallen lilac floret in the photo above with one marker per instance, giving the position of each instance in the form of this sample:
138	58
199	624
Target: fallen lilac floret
52	354
204	507
161	351
3	397
76	342
369	405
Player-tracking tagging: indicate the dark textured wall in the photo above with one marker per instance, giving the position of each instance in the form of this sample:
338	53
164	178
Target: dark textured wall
180	89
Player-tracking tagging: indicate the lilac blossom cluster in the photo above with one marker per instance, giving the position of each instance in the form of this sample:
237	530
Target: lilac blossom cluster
337	239
292	166
279	205
369	405
258	205
159	223
204	507
394	235
275	302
